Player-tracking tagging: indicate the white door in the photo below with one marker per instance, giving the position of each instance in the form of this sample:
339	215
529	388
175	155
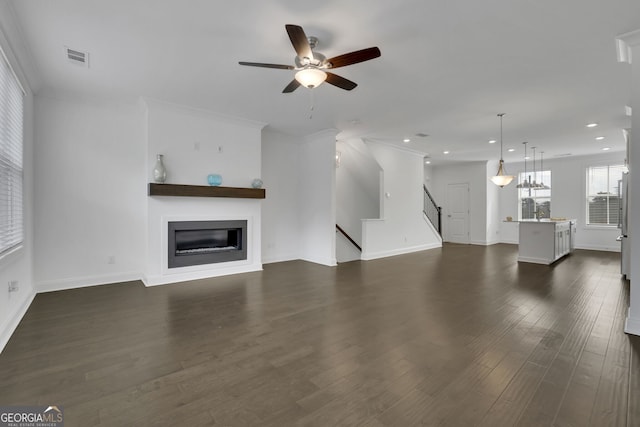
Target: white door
458	213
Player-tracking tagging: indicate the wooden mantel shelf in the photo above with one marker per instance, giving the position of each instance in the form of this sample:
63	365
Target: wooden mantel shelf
181	190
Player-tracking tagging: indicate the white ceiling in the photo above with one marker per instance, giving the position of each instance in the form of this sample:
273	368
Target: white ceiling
447	67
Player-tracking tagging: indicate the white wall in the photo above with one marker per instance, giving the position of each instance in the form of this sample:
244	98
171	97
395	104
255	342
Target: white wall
196	143
568	199
493	204
632	325
475	175
93	162
357	187
428	172
317	198
90	193
18	266
403	227
345	250
280	210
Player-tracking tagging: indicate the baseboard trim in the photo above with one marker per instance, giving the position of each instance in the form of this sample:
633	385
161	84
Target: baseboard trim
367	256
327	261
10	326
85	282
484	242
534	260
282	258
168	279
599	248
632	324
510	242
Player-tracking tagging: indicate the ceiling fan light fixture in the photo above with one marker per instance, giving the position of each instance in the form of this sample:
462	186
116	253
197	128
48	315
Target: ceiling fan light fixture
310	65
311	77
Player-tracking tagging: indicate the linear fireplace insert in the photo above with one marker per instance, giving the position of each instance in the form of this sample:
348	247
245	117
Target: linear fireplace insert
206	242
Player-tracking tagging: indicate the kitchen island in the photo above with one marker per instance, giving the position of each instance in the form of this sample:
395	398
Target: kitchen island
545	241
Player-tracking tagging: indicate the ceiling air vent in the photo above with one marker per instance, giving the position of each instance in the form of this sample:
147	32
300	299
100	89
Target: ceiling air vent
422	135
77	57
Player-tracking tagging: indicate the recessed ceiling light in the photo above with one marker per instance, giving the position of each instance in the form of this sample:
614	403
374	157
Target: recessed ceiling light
406	140
527	157
492	141
599	138
445	152
606	148
511	150
427	162
592	125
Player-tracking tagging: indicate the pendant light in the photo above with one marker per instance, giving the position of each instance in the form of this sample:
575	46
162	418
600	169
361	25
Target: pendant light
534	184
501	179
541	186
527	179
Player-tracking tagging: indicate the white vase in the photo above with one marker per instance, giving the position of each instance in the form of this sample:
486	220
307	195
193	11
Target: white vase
159	171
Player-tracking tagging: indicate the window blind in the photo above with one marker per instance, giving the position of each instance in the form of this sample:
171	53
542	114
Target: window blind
11	152
603	198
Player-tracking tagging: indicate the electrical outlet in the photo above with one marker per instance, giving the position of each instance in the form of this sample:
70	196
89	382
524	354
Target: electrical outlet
111	259
13	286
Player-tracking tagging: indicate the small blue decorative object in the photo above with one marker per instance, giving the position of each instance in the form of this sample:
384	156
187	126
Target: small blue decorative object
256	183
214	179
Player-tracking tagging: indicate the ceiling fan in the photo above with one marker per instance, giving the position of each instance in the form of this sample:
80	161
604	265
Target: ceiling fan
311	67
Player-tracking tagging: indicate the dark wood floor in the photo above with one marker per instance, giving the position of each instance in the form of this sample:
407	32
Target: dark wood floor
459	336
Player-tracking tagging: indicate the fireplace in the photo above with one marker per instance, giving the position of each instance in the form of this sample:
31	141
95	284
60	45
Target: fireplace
206	242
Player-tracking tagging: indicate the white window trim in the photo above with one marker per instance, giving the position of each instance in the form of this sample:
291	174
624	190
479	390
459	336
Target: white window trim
586	196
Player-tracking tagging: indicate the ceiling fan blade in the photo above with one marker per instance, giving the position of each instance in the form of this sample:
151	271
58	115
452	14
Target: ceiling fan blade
354	57
340	82
291	86
260	64
299	41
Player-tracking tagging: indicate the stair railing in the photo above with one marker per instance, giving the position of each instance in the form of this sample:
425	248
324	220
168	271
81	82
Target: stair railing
344	233
432	210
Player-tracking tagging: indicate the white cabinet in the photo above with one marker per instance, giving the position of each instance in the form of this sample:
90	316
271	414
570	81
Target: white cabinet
543	242
563	240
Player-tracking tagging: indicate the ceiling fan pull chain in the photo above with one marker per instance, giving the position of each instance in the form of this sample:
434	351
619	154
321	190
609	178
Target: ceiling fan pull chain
311	106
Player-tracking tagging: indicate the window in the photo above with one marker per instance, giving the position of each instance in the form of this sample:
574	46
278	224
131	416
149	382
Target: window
11	141
603	197
534	200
